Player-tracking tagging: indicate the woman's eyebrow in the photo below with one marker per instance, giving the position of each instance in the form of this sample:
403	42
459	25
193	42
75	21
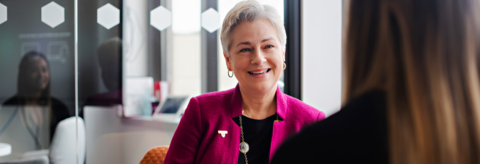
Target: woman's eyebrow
264	40
246	43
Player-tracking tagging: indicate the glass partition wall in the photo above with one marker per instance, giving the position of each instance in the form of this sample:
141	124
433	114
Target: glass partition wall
125	68
37	84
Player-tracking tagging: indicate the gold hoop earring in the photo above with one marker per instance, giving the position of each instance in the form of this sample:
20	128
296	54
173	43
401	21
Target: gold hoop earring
228	72
284	66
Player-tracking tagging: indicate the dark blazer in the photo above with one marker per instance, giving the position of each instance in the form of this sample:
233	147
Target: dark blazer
59	111
198	140
356	134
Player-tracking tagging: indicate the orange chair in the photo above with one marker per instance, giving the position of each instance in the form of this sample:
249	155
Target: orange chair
155	155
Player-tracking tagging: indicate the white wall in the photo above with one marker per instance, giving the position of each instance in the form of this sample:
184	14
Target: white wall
321	54
135	29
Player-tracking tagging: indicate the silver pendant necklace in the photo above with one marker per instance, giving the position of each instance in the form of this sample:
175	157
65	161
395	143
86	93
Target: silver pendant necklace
244	147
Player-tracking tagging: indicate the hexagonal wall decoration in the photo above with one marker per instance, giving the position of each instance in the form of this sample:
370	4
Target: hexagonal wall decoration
160	18
210	20
108	16
3	13
53	14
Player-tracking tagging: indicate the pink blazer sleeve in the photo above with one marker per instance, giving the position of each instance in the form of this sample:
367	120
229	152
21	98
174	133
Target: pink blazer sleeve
187	137
320	116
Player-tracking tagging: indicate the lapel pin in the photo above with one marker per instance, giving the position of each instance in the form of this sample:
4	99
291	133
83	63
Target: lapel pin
223	133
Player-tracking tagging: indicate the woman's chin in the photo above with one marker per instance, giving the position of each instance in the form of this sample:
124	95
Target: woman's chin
37	88
262	86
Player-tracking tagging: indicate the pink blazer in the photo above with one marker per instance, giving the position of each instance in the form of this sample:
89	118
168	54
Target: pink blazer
197	139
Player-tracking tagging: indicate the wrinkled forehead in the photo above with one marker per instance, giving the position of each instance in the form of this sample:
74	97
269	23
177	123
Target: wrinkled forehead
253	31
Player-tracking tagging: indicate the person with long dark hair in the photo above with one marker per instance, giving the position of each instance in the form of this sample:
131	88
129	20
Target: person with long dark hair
411	88
33	106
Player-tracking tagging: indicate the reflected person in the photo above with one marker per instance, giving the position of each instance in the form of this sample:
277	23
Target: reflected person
35	112
245	124
109	60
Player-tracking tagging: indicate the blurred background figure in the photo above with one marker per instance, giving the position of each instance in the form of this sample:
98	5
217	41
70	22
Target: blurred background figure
32	114
109	56
411	88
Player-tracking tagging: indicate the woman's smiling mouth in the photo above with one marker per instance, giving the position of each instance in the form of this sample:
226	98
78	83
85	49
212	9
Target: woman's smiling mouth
259	72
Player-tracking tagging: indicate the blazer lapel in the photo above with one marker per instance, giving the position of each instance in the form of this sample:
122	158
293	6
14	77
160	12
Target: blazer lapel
233	142
234	139
279	133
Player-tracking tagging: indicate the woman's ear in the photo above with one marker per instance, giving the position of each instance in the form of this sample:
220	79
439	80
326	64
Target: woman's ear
227	59
283	55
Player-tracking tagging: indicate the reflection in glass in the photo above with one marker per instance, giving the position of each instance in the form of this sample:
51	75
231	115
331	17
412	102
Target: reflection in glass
30	118
109	61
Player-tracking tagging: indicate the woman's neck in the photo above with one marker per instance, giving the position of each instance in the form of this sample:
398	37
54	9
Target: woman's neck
258	105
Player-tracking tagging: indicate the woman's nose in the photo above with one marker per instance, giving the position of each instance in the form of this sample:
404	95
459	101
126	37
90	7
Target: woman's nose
258	58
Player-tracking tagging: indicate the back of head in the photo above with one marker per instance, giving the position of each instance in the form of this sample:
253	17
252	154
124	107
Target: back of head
109	55
424	54
110	52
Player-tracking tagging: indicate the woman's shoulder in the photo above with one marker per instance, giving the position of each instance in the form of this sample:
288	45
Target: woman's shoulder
59	108
54	101
357	132
212	102
57	103
216	96
302	109
367	110
11	101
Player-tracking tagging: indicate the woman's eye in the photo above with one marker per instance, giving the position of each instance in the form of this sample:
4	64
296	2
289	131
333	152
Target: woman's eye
269	46
245	50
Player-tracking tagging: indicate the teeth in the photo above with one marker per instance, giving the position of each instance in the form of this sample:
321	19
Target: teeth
259	72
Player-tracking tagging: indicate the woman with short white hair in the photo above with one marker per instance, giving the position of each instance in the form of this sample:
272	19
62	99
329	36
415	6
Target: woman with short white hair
245	124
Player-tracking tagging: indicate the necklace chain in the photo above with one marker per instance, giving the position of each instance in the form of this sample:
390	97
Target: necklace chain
243	139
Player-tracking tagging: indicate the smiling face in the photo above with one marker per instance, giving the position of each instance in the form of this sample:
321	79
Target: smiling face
38	75
256	55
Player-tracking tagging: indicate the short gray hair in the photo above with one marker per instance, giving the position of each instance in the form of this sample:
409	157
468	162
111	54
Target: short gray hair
251	10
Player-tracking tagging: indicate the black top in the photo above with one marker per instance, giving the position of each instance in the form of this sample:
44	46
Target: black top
59	112
356	134
258	135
